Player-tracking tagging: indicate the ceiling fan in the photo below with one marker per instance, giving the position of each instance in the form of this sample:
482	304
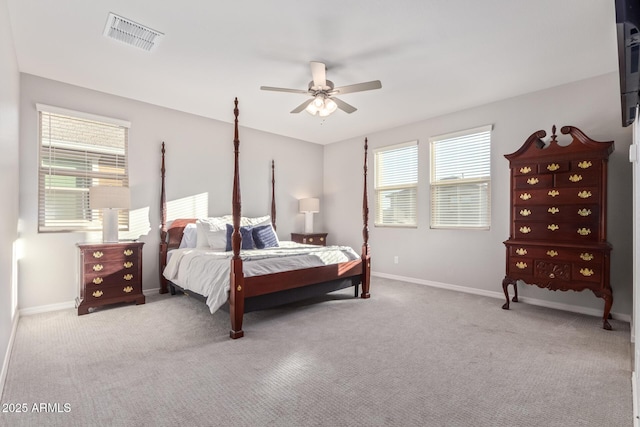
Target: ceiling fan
322	93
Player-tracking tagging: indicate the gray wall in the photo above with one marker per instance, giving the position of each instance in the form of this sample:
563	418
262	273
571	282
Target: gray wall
199	179
9	108
476	259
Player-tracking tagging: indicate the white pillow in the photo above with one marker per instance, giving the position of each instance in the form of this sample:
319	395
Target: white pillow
189	236
217	239
205	226
253	222
212	232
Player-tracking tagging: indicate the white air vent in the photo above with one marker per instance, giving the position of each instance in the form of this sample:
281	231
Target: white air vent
132	33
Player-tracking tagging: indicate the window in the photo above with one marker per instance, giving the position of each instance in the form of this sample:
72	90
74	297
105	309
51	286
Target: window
396	184
461	179
78	151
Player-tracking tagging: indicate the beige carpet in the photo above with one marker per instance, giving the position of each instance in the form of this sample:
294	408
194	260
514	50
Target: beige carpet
409	356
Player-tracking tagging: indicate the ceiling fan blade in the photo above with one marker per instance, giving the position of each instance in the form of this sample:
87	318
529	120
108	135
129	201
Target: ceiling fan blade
347	108
358	87
302	106
319	73
282	89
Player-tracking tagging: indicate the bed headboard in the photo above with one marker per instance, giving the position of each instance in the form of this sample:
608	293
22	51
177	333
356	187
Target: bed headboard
176	230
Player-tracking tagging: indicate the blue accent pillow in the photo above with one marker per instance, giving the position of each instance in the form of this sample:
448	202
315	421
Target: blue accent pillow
245	233
264	237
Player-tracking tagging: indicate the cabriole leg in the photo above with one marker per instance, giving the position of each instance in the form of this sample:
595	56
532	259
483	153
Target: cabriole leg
607	296
505	284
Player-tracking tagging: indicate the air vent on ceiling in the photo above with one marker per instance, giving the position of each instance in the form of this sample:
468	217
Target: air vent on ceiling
132	33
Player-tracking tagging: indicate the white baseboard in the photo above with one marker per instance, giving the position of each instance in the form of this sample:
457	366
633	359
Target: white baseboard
66	305
47	308
7	356
634	397
500	295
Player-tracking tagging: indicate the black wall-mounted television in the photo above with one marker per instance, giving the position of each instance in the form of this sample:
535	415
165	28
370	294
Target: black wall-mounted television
628	29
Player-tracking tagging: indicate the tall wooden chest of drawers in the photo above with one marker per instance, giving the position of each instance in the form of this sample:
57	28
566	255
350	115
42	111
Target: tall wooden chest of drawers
558	216
109	273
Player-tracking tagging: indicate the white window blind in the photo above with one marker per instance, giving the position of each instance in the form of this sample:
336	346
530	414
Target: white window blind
461	179
78	151
396	184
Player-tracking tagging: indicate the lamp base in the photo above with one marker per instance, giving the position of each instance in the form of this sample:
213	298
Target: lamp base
110	226
308	222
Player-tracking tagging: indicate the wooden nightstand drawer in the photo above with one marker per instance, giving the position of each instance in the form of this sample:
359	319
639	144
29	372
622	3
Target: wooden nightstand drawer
109	273
310	238
109	293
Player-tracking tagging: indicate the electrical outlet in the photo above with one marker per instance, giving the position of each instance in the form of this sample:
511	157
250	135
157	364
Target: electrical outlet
395	259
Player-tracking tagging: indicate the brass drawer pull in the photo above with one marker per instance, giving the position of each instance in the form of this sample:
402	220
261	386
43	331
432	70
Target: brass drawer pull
584	194
584	231
128	276
525	169
525	196
525	230
533	181
586	272
98	254
584	212
310	239
128	264
553	227
98	267
127	289
575	178
322	239
553	210
552	276
521	251
98	280
525	212
97	294
553	167
584	164
586	256
128	252
552	253
521	265
553	193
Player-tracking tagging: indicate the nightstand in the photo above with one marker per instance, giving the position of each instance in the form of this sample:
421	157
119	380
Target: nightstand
310	238
109	273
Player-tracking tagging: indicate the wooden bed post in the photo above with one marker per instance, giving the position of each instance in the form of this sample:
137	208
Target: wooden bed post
236	293
366	256
163	227
273	194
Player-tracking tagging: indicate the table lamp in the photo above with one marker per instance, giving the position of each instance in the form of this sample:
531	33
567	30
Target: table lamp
309	207
109	199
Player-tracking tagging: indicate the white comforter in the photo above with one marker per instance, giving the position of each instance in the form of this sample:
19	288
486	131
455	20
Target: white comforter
207	273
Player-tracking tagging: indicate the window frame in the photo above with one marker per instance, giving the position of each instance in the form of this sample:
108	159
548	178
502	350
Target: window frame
435	185
94	169
379	189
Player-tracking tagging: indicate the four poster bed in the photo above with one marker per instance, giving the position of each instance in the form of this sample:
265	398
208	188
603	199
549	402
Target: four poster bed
255	278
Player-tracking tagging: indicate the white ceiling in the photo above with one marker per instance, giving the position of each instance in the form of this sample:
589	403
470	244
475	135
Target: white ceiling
433	57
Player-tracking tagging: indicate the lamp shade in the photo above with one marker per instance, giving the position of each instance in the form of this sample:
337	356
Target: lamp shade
309	205
109	197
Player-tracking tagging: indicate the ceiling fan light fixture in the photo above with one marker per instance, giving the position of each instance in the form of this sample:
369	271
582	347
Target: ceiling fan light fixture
330	105
322	106
311	109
